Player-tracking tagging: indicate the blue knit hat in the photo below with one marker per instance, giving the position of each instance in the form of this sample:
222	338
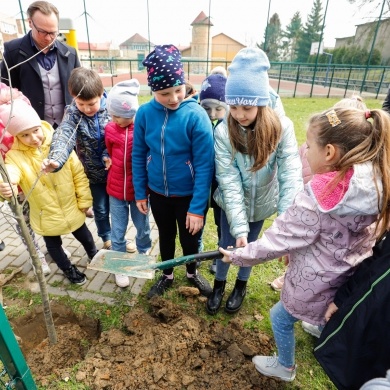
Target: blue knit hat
122	100
164	67
247	83
213	88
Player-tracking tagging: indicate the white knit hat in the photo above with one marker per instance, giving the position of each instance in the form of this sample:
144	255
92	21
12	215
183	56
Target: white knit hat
23	117
122	100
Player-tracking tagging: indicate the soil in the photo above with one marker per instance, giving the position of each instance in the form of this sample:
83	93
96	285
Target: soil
167	348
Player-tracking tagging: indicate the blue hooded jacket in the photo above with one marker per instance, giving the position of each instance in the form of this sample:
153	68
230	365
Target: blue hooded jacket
173	152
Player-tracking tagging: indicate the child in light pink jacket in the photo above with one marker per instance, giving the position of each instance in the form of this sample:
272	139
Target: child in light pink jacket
353	102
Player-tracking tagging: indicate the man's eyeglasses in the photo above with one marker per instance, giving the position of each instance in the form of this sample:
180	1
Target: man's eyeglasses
44	33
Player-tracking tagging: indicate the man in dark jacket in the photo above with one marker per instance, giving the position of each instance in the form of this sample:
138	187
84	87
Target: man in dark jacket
386	103
44	78
354	345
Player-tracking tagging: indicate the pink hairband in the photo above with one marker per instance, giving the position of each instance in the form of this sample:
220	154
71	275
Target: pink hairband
368	114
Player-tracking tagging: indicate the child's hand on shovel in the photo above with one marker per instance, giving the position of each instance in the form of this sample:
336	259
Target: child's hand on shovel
228	252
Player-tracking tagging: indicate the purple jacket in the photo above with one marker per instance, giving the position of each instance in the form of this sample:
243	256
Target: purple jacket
324	246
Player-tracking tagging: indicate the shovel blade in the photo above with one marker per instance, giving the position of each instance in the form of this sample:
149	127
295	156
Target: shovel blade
141	266
128	264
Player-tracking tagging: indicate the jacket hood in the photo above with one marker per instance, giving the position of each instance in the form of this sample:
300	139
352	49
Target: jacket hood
160	107
47	133
361	197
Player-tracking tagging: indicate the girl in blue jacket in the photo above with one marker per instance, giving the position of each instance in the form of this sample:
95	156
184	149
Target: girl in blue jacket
258	168
173	162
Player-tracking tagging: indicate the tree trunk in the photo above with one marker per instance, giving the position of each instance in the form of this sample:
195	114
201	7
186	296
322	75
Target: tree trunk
17	210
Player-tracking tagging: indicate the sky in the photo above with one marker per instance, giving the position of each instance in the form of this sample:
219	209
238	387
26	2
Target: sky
170	20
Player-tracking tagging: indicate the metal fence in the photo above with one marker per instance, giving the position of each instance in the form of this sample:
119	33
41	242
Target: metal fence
287	78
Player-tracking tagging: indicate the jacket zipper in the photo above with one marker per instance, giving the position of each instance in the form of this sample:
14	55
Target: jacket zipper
253	194
164	168
124	164
354	307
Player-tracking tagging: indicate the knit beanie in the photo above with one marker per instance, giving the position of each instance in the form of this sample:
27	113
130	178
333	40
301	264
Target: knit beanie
122	100
247	83
24	117
213	87
164	67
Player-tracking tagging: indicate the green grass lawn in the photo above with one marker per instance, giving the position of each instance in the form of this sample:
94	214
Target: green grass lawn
261	297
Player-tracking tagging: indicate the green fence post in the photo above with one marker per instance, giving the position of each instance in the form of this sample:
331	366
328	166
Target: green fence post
12	357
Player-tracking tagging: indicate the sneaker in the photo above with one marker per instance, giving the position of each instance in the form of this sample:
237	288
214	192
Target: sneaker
45	267
130	247
277	284
270	366
74	275
122	280
159	288
107	245
201	284
311	329
147	253
67	253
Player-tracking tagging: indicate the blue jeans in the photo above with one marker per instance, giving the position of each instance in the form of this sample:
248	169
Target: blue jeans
228	240
101	209
283	327
119	220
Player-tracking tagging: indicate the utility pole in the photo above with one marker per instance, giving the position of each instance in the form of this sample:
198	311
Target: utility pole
86	25
372	47
319	48
266	29
22	16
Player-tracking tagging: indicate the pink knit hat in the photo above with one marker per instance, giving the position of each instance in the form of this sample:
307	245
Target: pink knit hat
24	117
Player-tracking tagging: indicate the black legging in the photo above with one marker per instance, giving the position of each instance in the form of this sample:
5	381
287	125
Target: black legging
170	213
54	246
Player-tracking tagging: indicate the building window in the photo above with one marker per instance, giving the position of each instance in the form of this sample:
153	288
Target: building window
8	28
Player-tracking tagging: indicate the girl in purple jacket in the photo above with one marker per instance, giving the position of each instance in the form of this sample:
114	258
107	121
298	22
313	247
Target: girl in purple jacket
122	104
331	226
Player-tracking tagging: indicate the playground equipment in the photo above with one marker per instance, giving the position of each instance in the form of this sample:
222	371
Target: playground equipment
67	33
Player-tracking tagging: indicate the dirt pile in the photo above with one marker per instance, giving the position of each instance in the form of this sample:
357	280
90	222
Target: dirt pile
167	348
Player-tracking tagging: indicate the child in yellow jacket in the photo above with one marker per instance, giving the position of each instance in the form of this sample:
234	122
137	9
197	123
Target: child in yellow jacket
58	201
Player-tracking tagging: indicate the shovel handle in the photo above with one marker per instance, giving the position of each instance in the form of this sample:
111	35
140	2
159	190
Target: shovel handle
188	259
211	255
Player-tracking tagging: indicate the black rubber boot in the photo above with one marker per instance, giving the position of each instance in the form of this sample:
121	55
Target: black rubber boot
214	301
234	302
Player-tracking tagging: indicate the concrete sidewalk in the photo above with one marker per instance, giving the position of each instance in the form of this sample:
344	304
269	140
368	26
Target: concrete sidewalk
99	287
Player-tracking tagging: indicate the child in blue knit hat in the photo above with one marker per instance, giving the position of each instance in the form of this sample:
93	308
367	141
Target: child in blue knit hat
173	163
212	99
258	168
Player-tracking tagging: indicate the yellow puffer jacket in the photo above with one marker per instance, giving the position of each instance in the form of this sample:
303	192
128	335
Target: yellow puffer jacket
57	198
